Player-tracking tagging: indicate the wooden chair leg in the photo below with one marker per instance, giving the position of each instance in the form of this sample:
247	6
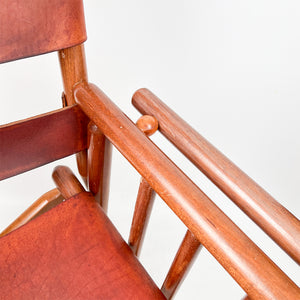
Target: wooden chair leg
73	69
185	256
40	206
99	162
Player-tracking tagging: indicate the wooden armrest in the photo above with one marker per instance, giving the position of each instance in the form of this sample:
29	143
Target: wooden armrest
243	260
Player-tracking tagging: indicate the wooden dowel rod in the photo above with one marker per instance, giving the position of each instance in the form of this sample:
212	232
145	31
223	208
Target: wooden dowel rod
43	204
142	211
99	161
145	198
185	256
244	261
66	182
73	68
282	226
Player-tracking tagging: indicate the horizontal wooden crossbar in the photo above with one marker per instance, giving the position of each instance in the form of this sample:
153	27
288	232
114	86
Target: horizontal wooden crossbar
36	141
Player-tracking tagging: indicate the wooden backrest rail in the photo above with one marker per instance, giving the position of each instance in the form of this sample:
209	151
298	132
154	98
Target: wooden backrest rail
282	226
251	269
36	141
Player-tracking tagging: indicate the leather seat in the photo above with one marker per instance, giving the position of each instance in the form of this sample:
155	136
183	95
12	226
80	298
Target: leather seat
72	252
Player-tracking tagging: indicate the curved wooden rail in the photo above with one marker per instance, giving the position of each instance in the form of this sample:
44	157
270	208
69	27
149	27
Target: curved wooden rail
282	226
252	269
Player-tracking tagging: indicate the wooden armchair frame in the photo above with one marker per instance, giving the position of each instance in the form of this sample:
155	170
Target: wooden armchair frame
91	123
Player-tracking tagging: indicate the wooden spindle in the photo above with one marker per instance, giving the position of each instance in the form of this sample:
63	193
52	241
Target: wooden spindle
99	161
142	211
73	69
145	198
185	256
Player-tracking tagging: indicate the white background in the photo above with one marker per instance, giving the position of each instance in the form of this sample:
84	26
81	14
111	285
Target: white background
230	68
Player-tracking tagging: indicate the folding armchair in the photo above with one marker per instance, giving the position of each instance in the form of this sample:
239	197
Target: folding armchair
64	246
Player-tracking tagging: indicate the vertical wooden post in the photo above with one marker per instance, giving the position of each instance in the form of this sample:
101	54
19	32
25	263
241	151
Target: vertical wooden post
185	256
142	211
145	197
73	69
99	161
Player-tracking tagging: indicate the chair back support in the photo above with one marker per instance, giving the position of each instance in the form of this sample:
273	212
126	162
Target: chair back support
29	28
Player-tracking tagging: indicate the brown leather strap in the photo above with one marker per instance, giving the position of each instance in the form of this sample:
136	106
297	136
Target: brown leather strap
36	141
29	28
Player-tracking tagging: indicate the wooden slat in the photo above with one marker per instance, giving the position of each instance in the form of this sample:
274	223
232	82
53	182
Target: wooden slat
33	142
34	27
282	226
185	256
244	261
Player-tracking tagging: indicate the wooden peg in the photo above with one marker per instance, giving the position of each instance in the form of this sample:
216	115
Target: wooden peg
147	124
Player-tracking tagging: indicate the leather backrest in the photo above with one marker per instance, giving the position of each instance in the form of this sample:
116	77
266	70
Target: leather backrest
32	27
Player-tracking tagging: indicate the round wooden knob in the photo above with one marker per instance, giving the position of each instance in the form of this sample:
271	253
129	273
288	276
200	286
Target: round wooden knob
147	124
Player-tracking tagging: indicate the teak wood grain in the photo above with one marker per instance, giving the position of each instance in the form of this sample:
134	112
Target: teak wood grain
29	28
185	256
36	141
281	225
252	269
99	161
